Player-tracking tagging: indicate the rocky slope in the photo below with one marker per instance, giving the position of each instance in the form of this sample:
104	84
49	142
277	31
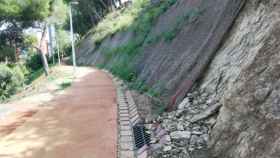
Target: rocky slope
247	81
240	86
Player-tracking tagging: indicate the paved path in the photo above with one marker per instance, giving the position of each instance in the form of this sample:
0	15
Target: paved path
81	123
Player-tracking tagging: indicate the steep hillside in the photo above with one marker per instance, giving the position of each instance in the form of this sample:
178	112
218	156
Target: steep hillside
222	51
168	54
245	76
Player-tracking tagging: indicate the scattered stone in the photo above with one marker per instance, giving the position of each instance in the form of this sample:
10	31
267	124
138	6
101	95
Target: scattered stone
211	121
180	126
261	93
205	137
168	138
167	148
188	127
180	135
211	110
197	133
153	141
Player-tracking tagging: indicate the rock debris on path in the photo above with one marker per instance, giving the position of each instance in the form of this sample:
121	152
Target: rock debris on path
184	133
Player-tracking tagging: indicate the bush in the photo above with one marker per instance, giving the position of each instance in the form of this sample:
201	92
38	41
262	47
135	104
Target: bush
7	52
11	79
19	74
34	62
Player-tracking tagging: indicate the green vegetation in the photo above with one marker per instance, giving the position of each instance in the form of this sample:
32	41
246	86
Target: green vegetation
11	80
7	53
89	12
141	87
190	17
58	12
30	77
29	41
15	17
65	85
24	10
33	62
64	42
15	76
158	108
138	19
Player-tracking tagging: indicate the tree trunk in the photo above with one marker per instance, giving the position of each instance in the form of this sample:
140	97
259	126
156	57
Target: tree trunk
43	57
120	2
114	6
45	63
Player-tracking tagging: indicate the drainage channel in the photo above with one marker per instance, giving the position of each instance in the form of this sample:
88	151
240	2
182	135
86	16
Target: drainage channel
141	137
133	138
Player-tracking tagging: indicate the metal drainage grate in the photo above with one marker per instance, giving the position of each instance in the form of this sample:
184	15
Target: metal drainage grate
141	137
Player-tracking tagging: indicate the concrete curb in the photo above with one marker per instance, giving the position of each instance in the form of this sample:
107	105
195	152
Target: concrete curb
125	134
128	116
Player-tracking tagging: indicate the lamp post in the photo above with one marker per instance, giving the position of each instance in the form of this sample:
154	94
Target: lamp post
72	34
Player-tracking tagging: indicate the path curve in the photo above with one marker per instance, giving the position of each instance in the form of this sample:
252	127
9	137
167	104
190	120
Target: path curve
82	123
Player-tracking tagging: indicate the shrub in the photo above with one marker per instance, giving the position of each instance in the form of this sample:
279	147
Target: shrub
11	79
34	62
18	73
123	70
7	52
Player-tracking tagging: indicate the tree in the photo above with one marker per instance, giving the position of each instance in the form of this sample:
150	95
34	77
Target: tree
89	12
63	40
16	15
29	41
23	13
59	12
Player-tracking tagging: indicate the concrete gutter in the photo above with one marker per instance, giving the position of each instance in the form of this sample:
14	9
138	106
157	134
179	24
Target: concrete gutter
128	116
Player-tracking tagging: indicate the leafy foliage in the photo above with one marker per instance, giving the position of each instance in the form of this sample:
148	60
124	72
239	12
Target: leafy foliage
33	10
89	12
34	62
11	79
59	12
29	41
7	53
24	11
64	42
65	85
16	15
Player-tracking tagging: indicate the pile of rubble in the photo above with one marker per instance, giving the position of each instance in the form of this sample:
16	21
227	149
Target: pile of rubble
185	132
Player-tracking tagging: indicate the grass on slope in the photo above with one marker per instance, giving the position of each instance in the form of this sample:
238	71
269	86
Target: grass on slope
139	19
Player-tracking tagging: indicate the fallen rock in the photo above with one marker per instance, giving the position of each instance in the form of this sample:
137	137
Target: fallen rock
180	135
205	114
167	148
